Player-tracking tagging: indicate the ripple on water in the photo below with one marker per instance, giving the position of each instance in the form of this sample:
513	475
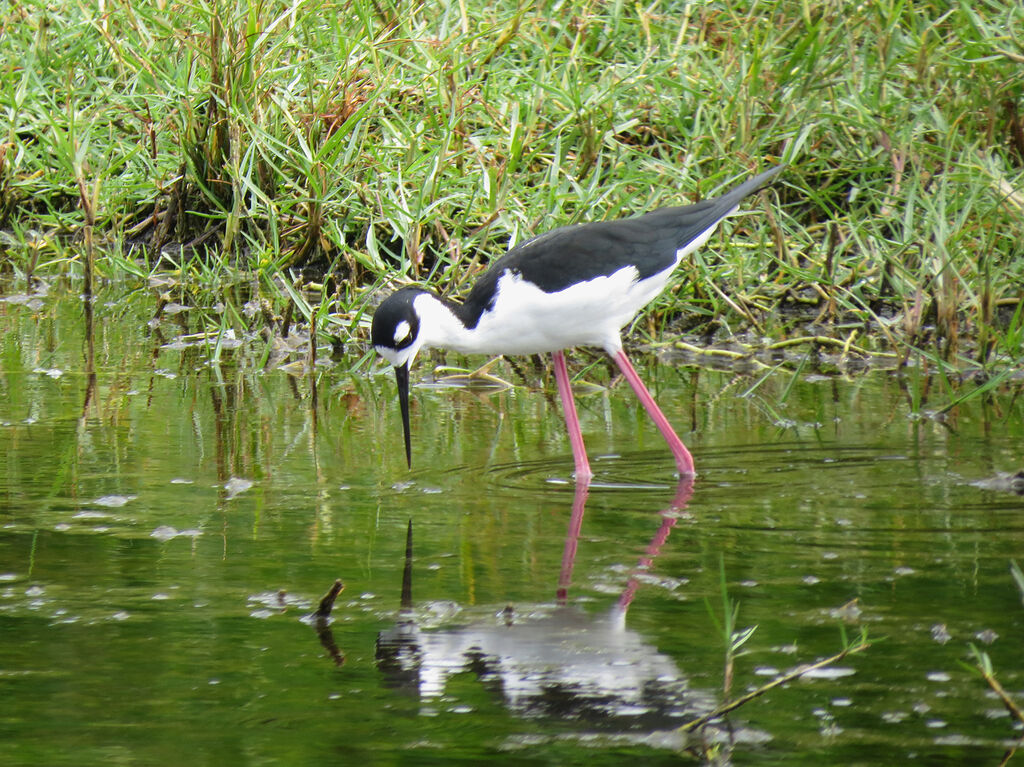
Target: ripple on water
637	471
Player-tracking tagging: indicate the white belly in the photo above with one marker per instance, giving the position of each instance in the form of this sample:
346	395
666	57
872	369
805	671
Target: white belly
526	320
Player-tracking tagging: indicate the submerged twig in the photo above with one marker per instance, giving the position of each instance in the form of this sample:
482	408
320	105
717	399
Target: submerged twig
712	352
846	345
1008	703
789	676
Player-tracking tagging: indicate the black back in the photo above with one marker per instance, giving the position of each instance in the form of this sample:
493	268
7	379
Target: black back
562	257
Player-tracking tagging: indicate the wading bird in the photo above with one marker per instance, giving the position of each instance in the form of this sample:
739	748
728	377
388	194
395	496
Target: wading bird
577	285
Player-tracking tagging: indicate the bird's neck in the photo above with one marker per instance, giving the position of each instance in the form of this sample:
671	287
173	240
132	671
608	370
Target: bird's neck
441	326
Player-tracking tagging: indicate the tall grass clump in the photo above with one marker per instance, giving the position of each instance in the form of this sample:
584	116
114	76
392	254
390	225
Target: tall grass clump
365	142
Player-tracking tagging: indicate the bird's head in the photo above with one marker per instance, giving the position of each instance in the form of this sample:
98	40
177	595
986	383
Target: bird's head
395	334
395	330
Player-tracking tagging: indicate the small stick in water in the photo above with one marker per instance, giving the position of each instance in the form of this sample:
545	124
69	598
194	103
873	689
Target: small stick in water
327	603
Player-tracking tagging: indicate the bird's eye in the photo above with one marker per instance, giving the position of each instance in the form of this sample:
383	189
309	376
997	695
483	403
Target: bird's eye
402	331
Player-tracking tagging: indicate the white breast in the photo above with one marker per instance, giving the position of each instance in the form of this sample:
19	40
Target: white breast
526	320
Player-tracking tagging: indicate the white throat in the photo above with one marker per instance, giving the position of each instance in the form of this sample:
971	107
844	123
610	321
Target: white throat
439	327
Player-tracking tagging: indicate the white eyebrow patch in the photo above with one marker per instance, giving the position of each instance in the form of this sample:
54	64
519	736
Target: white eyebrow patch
402	331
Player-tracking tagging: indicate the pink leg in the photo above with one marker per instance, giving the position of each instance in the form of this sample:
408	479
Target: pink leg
683	458
572	421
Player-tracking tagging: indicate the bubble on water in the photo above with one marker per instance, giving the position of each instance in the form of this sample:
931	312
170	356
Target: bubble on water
277	601
114	501
236	486
850	612
164	533
955	740
442	609
90	514
940	634
937	676
811	580
228	339
831	729
829	672
988	636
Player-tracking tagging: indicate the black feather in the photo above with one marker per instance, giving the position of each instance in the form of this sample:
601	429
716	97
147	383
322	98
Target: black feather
562	257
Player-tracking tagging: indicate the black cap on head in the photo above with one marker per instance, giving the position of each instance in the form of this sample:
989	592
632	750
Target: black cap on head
395	323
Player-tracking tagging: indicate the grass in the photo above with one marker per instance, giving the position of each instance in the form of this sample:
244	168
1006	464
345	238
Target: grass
355	144
983	667
734	639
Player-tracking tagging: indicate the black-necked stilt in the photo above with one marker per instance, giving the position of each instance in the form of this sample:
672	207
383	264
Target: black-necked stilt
574	286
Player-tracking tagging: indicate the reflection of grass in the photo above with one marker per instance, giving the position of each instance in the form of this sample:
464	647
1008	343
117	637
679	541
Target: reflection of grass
366	142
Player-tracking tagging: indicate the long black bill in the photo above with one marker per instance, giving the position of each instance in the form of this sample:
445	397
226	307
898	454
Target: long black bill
402	376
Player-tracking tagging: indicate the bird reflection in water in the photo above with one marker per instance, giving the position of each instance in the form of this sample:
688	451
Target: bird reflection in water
557	661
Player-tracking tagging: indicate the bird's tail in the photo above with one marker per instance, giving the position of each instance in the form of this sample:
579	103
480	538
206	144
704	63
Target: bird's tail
751	185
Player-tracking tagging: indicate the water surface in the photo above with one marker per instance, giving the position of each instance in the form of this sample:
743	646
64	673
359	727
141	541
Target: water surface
168	524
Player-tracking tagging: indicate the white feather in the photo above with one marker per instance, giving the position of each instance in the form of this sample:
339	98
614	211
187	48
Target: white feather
526	320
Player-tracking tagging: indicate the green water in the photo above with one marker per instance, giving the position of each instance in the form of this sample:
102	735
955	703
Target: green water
165	533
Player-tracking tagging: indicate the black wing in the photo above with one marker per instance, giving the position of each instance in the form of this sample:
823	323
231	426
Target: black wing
562	257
